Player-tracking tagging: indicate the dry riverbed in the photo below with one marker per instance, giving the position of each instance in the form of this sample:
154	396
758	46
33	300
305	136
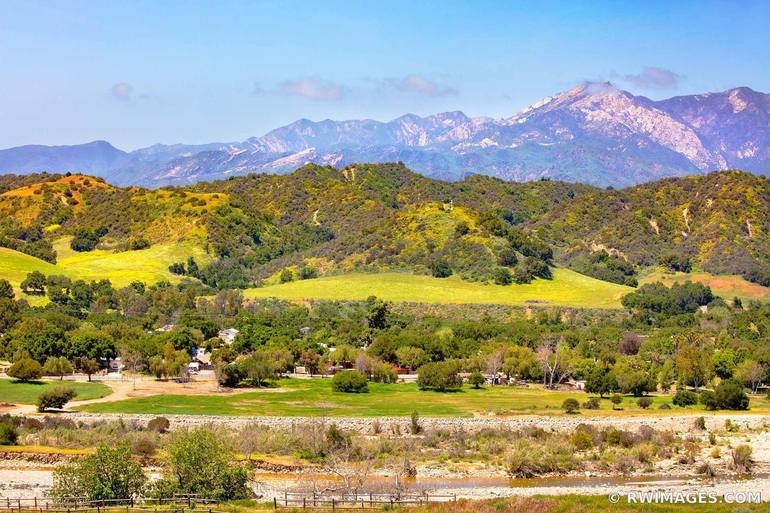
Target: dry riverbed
27	477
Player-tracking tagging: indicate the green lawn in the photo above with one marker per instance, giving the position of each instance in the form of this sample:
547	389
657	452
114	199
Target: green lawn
26	393
297	397
567	288
148	265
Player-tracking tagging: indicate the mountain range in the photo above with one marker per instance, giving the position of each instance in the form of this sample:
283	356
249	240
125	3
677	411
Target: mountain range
593	133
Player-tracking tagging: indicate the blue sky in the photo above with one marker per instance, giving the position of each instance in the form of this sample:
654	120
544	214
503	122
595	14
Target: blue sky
142	72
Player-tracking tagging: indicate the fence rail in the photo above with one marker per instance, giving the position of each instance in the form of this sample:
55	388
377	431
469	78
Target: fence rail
355	501
176	504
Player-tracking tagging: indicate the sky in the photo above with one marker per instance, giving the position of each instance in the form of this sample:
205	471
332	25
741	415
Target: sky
136	72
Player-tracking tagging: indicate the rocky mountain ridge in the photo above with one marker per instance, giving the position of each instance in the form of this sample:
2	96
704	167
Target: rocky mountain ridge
593	133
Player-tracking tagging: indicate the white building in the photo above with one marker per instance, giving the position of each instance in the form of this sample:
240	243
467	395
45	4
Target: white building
228	335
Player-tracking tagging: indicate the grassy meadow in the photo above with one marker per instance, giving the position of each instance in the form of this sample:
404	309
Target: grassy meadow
726	286
148	265
567	288
313	397
26	393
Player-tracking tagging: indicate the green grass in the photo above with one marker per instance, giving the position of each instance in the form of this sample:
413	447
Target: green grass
148	265
567	288
577	504
26	393
313	397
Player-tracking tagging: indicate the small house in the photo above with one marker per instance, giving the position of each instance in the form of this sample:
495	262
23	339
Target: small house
228	335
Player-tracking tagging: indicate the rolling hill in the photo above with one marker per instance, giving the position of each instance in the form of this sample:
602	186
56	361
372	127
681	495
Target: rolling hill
260	229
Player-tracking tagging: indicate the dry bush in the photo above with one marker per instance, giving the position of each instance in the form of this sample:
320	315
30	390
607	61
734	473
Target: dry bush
741	459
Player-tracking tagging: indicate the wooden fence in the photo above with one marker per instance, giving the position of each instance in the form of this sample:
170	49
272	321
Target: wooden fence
176	504
355	501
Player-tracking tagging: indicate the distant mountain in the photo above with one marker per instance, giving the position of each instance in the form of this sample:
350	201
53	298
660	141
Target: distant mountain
593	133
97	158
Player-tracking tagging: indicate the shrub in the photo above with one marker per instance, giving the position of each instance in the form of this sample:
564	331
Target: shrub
502	276
708	399
730	395
570	406
201	462
644	402
108	474
84	240
439	376
414	426
26	369
144	446
684	398
529	460
55	398
476	379
306	272
350	381
700	423
616	400
159	425
591	404
8	434
741	459
440	269
6	290
664	406
582	440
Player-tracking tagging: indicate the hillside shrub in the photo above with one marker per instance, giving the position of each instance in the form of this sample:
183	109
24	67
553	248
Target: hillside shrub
6	290
84	240
591	404
350	381
440	269
502	276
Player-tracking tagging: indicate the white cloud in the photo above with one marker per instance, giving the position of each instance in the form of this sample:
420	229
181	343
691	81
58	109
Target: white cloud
652	77
122	91
313	88
419	84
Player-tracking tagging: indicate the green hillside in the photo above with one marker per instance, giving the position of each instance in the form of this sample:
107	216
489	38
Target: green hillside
245	231
567	288
147	265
